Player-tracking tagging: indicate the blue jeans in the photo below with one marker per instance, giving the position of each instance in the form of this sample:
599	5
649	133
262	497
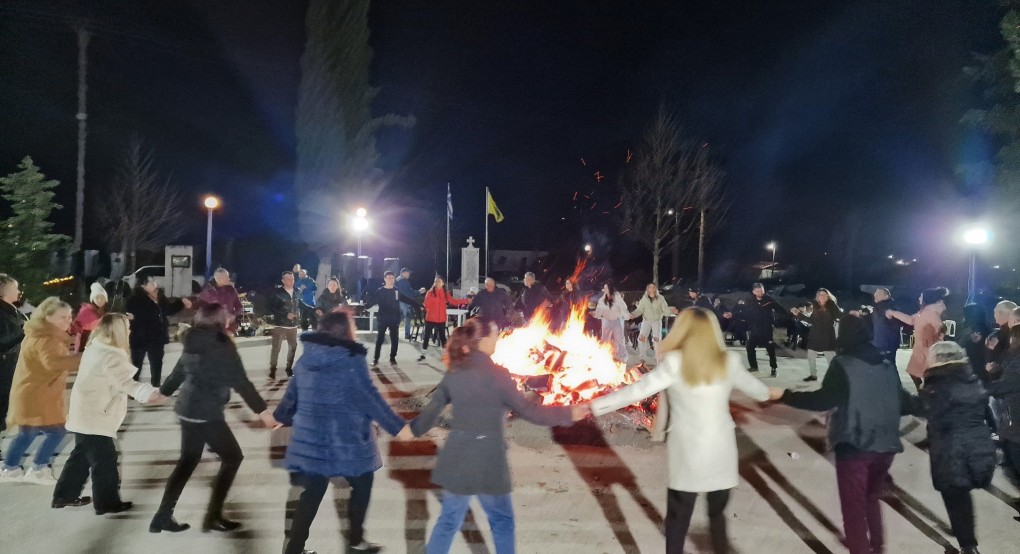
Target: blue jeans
405	314
499	510
47	450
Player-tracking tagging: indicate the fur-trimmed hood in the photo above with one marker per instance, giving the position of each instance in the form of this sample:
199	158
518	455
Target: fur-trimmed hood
335	346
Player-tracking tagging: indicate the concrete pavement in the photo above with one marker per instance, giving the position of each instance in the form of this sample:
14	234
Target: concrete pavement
568	498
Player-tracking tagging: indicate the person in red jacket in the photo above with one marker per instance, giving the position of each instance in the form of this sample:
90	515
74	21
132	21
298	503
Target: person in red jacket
436	300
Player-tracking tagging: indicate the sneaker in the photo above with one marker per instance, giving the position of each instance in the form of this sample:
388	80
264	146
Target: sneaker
753	370
393	361
42	476
290	372
363	546
421	358
12	475
375	364
773	372
808	379
272	373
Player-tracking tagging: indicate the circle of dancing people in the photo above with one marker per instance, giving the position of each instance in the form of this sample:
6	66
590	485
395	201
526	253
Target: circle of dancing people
333	405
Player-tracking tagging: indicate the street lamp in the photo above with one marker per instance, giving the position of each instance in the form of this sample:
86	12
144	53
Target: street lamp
587	249
211	203
974	236
360	224
773	247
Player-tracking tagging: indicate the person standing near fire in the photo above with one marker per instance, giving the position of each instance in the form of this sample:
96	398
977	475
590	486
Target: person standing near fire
698	376
612	310
759	313
533	297
652	309
473	462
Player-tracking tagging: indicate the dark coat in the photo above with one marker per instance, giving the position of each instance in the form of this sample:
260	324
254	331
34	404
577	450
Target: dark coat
332	402
492	306
473	460
885	332
225	296
822	337
281	304
1007	387
11	335
389	301
208	369
534	297
329	301
962	451
760	316
149	324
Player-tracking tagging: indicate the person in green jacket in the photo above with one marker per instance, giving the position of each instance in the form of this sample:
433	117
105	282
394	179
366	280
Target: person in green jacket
652	309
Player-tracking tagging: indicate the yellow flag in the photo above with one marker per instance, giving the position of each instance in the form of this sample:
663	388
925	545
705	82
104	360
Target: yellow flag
491	208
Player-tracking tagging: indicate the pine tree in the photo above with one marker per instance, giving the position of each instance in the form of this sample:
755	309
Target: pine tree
336	150
25	235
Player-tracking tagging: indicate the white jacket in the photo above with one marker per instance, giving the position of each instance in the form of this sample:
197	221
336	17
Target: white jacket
617	311
99	394
701	442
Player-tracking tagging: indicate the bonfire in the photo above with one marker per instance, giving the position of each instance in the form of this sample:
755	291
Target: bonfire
564	366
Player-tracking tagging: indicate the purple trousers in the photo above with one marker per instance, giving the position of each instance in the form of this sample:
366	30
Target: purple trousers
861	477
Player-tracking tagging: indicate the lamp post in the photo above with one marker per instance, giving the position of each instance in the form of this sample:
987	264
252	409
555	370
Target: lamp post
773	247
587	249
360	224
675	261
975	237
211	203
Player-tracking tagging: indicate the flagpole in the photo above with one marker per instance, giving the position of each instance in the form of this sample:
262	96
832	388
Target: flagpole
447	231
486	232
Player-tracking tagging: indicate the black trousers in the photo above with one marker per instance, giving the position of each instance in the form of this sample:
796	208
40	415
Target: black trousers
155	354
680	507
757	341
435	331
7	366
1011	450
194	437
93	454
960	508
308	318
392	327
301	513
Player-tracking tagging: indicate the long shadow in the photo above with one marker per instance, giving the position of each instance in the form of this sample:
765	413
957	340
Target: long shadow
905	504
753	463
584	441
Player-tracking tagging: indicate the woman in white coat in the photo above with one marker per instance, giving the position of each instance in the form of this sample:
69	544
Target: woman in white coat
698	375
612	310
97	409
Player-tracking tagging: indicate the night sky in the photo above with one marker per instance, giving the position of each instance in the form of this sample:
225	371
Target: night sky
814	109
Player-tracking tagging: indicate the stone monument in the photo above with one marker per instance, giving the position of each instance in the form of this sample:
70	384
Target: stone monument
469	276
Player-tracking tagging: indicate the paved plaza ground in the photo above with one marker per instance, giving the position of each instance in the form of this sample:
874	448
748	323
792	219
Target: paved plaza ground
568	498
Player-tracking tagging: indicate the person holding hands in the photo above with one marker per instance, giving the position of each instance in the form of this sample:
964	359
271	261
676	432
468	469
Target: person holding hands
208	369
698	376
473	462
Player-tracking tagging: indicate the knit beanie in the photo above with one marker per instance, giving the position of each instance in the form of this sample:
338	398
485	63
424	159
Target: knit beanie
95	291
933	296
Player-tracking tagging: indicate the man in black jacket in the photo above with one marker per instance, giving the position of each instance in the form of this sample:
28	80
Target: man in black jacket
759	313
388	319
867	397
533	297
284	306
11	335
885	332
492	303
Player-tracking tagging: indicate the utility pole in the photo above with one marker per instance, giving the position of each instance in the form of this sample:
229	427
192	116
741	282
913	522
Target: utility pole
82	30
701	250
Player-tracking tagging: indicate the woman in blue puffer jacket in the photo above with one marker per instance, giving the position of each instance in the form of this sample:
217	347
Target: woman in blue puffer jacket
331	403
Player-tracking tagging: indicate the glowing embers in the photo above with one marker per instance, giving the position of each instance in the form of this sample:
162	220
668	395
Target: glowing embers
564	366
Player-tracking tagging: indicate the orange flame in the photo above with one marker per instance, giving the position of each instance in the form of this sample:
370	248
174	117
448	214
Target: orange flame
578	366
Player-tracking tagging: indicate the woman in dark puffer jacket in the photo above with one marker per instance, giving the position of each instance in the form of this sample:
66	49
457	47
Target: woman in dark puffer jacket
207	371
962	452
331	402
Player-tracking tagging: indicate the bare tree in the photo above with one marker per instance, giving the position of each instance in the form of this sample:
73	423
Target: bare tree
141	211
670	187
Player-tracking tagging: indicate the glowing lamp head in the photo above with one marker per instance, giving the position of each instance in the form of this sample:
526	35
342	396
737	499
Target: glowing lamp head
360	224
976	236
587	248
211	202
771	246
361	212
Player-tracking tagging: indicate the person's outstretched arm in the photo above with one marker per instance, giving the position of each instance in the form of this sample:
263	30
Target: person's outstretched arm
834	392
372	403
428	415
528	409
653	382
